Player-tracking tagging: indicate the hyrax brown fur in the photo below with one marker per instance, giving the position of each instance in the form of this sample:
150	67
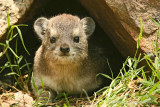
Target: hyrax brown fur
63	61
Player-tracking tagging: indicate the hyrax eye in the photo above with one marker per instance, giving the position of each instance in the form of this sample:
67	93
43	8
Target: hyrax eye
53	40
76	39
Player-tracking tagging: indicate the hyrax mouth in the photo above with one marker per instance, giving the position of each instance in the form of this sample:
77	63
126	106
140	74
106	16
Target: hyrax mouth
64	55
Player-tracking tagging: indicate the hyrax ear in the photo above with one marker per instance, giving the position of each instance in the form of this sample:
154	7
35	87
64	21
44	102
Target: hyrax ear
40	26
88	25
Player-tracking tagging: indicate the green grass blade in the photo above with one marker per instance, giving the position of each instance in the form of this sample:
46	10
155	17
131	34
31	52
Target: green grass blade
10	64
9	32
156	41
64	105
139	37
14	36
42	82
4	66
106	76
20	34
34	85
153	21
13	52
21	25
20	59
156	63
144	75
25	65
67	100
2	44
155	86
8	20
11	73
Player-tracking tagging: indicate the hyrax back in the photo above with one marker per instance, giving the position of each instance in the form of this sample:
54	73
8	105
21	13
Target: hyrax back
63	61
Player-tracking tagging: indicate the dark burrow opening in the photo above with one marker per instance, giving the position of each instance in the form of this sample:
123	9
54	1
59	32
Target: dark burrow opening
50	8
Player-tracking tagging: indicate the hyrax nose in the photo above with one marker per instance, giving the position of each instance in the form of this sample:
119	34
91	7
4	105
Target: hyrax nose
64	48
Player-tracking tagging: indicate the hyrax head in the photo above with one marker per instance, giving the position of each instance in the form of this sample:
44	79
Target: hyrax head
64	37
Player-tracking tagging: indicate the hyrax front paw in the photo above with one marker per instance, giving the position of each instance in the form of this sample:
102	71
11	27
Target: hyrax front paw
45	96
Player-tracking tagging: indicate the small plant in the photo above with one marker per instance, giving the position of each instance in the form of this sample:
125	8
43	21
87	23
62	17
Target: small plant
15	63
132	87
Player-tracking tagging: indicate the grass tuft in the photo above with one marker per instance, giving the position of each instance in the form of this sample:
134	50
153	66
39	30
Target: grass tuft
15	65
133	87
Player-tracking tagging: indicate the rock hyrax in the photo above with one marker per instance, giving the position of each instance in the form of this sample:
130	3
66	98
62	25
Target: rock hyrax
63	61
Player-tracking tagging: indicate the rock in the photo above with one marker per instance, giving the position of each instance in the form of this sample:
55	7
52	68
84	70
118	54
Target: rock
120	19
15	8
17	99
23	100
